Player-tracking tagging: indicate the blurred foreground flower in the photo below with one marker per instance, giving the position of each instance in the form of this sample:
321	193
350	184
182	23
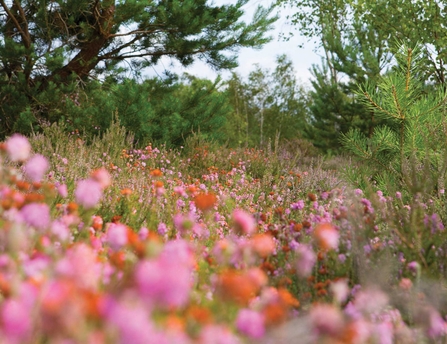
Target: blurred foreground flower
88	193
36	167
327	236
18	148
244	222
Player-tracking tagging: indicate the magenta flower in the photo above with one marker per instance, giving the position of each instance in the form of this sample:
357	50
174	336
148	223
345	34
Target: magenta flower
36	215
116	235
88	193
167	281
244	222
18	147
36	167
250	323
16	321
305	262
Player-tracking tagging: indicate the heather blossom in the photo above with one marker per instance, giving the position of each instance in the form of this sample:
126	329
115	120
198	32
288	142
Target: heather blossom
116	235
36	215
244	222
16	321
167	280
88	193
250	323
18	148
305	261
36	167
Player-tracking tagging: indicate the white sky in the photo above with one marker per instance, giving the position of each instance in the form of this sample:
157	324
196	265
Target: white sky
302	58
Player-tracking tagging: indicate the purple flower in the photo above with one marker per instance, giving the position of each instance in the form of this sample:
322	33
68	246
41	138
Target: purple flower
36	167
250	323
88	193
162	228
36	215
298	205
18	147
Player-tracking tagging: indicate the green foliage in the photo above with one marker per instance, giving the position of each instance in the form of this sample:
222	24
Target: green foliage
357	40
269	107
333	112
46	49
409	152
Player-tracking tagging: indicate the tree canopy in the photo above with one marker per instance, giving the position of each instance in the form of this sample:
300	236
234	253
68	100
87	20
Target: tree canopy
47	45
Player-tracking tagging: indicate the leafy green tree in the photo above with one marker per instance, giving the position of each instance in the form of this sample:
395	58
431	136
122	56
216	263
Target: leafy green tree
409	153
277	103
237	127
48	48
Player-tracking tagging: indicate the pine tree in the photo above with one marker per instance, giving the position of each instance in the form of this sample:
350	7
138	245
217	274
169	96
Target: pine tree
49	48
409	152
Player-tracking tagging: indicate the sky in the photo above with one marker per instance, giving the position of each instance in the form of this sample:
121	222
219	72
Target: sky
302	58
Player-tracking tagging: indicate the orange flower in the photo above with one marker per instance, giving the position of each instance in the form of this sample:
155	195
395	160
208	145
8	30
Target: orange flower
34	198
156	173
158	184
274	314
287	299
234	286
22	185
263	244
200	314
205	201
135	242
97	223
126	192
72	207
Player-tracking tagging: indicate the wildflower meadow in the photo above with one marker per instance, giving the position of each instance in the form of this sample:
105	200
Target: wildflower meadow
101	242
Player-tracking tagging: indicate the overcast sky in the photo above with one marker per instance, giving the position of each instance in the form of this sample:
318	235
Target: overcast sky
302	58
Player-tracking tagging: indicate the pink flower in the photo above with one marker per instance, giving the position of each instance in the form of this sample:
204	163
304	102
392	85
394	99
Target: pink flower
340	290
250	323
166	281
370	301
116	235
244	222
36	215
216	334
327	236
326	319
18	147
305	262
102	176
59	229
62	189
88	193
16	321
81	265
36	167
133	324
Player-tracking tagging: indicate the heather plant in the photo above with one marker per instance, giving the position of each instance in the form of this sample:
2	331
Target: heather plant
143	246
